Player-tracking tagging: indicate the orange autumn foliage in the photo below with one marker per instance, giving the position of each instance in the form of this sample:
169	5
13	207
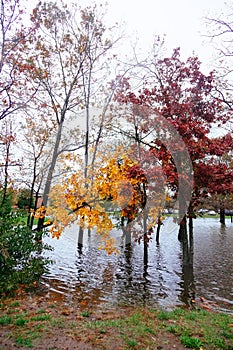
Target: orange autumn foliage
117	186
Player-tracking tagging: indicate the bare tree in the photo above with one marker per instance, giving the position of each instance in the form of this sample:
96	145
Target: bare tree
14	92
220	34
7	159
66	53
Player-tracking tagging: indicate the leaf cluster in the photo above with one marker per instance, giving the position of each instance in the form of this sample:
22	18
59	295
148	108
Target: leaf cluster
21	261
117	187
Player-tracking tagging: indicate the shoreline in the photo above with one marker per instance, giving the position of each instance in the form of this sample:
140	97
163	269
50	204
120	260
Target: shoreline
31	321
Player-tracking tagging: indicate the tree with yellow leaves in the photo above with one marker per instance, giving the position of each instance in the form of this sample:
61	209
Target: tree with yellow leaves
118	188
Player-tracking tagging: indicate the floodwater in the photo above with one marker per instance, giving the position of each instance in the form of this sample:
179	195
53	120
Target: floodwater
91	276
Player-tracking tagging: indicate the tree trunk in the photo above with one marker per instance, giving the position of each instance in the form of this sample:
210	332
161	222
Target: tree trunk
31	198
86	149
35	206
182	235
6	175
80	240
145	239
126	235
191	235
188	292
101	126
48	182
128	257
158	229
222	216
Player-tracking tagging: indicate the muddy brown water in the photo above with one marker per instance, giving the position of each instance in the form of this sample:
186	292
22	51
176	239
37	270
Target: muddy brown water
91	276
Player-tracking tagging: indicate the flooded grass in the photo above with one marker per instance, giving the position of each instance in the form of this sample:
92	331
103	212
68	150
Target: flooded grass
33	323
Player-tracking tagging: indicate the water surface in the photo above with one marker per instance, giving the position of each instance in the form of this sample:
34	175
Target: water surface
94	277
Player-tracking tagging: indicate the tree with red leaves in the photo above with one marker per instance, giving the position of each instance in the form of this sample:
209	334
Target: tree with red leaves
185	97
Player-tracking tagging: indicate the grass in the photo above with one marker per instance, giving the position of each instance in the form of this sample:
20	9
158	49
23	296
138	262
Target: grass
131	328
23	341
85	314
5	320
194	329
190	342
199	328
41	318
20	216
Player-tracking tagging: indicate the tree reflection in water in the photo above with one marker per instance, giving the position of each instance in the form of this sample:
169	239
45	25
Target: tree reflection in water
173	273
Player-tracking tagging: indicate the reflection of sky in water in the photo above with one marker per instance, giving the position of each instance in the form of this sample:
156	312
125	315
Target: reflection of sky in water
123	278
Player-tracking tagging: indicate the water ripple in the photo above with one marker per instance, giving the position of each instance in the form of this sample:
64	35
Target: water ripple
165	280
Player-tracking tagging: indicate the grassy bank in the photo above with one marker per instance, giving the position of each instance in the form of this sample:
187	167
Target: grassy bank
39	323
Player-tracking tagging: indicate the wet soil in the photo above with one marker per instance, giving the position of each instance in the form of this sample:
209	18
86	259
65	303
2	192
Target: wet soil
39	322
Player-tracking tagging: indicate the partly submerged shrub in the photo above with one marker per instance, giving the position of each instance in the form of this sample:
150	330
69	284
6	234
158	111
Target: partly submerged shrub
21	258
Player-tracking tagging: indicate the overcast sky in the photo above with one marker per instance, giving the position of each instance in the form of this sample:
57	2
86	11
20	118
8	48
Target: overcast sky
181	20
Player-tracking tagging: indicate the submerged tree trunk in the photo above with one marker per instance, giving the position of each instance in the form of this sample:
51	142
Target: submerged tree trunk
191	215
222	216
80	240
191	235
159	224
182	235
145	239
188	293
126	235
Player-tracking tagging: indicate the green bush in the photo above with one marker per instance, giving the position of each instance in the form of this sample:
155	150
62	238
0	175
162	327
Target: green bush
21	259
23	199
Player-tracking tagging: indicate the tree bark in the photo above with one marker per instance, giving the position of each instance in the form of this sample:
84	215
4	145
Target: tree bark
48	182
182	235
191	235
158	229
6	175
222	216
80	240
145	239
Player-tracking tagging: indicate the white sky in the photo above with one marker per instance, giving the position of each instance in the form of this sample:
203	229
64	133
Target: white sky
181	20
